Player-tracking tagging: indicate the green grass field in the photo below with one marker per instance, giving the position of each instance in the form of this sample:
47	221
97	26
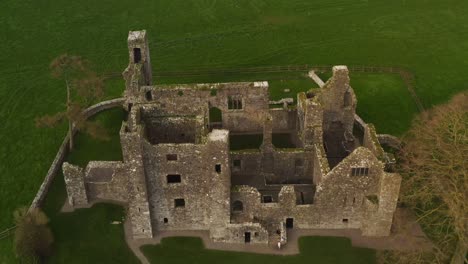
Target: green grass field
429	37
87	235
318	250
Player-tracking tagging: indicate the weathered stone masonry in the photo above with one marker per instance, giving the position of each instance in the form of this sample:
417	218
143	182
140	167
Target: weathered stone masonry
180	171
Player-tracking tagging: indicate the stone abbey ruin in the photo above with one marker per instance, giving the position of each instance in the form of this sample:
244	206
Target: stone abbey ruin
317	164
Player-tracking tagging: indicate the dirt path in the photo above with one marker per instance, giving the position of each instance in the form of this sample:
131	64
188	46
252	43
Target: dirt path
406	236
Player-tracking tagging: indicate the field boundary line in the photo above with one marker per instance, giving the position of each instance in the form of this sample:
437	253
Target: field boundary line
7	232
406	75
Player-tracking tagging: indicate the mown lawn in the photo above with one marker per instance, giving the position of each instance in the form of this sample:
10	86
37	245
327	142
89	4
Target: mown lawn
318	250
383	100
429	37
87	235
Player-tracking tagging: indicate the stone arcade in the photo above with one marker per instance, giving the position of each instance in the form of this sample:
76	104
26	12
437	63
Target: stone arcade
317	164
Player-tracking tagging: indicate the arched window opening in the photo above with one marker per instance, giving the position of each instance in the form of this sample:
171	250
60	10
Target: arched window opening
347	99
237	206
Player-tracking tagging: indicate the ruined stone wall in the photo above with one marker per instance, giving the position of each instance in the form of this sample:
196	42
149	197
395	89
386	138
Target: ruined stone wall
250	162
283	120
176	100
196	99
235	233
175	129
63	150
139	54
205	191
389	140
187	185
289	165
293	166
100	180
107	180
305	216
320	163
138	210
379	216
340	202
172	129
75	185
255	100
340	195
338	100
371	142
310	114
218	162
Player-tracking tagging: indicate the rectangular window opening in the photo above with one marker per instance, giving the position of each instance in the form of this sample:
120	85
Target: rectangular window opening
173	178
237	164
247	237
148	96
345	220
359	171
179	202
165	220
234	102
218	168
171	157
267	199
136	55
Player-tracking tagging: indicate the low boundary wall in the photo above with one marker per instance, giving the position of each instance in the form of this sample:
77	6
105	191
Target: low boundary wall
63	150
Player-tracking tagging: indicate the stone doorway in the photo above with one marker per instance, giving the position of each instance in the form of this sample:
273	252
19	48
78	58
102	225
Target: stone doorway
247	237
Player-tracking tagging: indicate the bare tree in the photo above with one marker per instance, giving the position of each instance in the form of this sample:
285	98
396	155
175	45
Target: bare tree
33	238
435	185
84	87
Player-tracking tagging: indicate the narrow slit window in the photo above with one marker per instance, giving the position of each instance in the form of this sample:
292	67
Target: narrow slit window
347	99
173	178
171	157
148	96
136	55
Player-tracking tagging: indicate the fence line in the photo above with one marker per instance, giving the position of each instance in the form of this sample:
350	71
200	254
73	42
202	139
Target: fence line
406	75
7	232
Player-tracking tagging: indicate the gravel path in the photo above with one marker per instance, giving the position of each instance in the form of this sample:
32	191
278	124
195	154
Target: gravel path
406	236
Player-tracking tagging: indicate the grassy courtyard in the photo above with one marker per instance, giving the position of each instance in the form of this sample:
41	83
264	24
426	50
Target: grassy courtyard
319	250
429	37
